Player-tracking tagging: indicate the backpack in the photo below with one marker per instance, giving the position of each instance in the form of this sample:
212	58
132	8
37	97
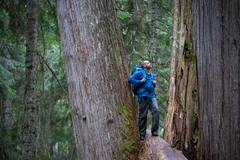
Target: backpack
136	87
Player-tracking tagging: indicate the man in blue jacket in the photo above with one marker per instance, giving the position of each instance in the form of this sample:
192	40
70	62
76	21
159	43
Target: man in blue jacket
146	98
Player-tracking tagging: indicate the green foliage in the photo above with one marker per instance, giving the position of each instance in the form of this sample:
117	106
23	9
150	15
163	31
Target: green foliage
5	85
54	126
137	34
55	121
123	15
12	63
5	153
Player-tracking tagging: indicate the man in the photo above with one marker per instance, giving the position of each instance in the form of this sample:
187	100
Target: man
146	98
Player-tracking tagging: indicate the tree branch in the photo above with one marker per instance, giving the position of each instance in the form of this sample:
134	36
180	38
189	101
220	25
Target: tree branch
53	74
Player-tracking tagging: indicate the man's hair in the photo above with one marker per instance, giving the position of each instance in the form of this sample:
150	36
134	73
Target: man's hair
143	63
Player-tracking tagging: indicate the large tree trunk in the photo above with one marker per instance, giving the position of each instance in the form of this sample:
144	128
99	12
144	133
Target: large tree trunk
181	119
29	126
216	35
96	68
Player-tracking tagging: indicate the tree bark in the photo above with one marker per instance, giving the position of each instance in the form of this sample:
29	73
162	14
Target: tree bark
181	118
97	70
29	126
172	80
216	35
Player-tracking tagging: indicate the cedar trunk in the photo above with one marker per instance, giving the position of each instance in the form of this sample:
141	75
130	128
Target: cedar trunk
216	35
97	71
181	119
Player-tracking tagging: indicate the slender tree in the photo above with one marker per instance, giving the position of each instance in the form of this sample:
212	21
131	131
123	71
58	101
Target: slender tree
7	103
96	67
29	126
181	119
152	12
171	91
216	35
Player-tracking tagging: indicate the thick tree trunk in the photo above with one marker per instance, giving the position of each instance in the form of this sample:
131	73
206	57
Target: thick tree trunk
29	126
216	35
96	69
181	119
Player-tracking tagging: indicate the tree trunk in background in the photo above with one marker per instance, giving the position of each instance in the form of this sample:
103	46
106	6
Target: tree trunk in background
6	102
29	126
181	119
152	10
216	29
97	71
44	127
7	115
168	131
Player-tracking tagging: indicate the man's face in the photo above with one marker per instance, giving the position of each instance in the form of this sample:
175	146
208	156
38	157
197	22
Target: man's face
147	65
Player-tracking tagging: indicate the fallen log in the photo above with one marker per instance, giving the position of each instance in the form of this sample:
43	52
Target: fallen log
155	148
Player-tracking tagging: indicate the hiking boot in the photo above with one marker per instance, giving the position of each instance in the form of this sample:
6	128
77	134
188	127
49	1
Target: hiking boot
142	137
155	133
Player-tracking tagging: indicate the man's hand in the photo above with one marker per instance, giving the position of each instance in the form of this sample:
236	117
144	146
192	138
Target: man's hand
143	80
154	82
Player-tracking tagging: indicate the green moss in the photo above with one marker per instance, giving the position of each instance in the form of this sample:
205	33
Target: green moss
110	121
188	46
127	143
118	54
194	94
118	57
188	52
195	138
113	78
195	135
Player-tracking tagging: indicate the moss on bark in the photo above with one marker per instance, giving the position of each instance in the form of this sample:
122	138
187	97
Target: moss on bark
127	144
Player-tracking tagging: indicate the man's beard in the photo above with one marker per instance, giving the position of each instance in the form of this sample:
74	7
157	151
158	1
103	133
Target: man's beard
148	67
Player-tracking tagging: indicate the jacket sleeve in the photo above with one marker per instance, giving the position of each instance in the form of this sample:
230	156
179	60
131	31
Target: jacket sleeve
153	76
135	78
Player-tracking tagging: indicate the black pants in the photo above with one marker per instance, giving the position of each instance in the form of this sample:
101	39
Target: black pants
144	105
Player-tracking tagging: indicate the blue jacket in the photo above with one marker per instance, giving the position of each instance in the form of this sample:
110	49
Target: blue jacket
147	89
